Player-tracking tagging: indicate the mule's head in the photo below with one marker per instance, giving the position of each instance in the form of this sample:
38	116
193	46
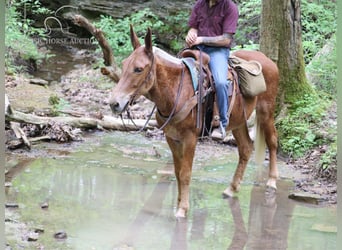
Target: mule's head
137	74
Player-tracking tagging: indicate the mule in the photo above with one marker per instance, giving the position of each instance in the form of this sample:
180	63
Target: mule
155	74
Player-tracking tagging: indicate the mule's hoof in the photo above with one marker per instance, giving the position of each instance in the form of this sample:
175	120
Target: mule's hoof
228	192
271	183
180	213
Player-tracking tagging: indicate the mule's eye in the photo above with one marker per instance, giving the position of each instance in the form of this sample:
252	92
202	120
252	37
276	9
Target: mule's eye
138	70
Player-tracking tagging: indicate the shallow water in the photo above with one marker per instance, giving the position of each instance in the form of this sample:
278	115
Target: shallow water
117	191
62	59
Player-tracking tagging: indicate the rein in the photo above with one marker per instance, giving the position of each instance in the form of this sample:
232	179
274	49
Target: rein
172	117
176	102
172	114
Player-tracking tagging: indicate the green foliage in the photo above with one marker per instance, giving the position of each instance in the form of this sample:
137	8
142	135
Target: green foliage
323	69
58	104
247	34
318	19
318	25
329	157
299	129
174	30
117	30
19	30
305	126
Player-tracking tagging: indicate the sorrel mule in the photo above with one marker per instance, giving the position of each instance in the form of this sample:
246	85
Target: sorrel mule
151	72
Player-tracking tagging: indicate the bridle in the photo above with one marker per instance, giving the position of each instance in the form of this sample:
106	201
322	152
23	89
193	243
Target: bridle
136	93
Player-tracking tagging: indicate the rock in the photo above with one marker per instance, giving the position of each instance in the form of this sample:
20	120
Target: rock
156	152
39	81
14	144
308	198
60	235
120	9
8	184
11	205
44	205
324	228
28	97
32	236
8	108
39	230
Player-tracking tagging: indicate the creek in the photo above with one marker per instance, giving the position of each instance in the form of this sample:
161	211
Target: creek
116	190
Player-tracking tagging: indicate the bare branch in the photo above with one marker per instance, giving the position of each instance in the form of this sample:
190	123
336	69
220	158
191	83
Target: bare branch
111	69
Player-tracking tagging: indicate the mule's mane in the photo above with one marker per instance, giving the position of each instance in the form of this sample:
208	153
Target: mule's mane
166	56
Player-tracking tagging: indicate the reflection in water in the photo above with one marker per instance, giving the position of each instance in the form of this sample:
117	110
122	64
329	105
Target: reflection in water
240	235
152	207
179	236
104	200
268	223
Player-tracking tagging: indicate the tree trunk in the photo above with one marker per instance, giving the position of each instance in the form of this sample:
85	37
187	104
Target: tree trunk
281	40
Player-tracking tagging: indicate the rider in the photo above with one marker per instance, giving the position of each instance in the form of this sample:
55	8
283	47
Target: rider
212	26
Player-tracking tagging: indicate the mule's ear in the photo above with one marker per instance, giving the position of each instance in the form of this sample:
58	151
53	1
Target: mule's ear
134	38
148	42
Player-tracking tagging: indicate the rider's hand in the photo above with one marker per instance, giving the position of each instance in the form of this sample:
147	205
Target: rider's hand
191	38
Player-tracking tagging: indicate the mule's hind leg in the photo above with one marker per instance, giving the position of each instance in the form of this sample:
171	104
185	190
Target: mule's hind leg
183	152
245	148
266	124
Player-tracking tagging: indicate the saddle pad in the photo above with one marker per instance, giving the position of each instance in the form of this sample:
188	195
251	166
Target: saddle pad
190	64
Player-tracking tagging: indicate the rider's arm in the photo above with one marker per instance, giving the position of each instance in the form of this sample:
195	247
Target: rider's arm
223	40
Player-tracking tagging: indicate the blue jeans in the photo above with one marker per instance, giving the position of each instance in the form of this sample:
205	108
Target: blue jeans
219	68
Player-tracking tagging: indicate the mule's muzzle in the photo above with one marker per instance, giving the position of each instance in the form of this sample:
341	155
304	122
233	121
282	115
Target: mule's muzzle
118	105
115	107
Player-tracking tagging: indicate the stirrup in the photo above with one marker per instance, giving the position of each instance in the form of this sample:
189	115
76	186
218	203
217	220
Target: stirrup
219	133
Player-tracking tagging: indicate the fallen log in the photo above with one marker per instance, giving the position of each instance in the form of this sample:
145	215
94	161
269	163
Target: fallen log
107	122
19	133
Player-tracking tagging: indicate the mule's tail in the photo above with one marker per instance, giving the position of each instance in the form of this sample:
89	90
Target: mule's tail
259	142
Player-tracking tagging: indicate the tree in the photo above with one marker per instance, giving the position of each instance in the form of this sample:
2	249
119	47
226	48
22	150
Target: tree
281	40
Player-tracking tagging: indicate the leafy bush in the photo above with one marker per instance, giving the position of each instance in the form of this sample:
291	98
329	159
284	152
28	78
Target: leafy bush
172	34
117	30
299	129
318	19
247	34
323	69
329	157
19	30
318	25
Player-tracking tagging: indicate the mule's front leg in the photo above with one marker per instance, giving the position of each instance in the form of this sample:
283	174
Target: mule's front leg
245	148
183	153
